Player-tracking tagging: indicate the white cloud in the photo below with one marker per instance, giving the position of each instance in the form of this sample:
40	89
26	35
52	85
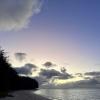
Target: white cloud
16	14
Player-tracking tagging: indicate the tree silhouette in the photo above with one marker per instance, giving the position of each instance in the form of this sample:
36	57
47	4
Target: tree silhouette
6	72
10	80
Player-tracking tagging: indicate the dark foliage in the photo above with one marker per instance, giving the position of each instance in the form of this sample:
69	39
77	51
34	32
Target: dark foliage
24	83
10	80
6	73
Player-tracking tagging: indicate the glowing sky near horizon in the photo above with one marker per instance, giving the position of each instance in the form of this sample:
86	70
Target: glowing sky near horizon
66	32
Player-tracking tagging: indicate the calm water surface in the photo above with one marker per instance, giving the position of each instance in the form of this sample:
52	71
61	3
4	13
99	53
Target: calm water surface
70	94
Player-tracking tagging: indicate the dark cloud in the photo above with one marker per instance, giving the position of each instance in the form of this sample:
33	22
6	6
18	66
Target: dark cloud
47	76
79	74
20	56
16	14
64	76
92	73
50	73
63	70
27	69
48	64
91	81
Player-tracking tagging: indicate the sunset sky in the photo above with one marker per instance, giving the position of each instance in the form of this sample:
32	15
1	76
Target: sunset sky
64	32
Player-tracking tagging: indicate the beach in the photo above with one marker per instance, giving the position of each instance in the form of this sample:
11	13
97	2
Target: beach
24	95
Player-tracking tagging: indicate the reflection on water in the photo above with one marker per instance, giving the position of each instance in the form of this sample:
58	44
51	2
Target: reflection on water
70	94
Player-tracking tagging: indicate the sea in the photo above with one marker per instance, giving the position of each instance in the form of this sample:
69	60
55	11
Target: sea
70	94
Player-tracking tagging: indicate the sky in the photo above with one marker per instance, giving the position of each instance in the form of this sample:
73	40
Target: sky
64	32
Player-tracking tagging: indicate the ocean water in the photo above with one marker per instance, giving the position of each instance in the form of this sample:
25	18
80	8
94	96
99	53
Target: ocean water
70	94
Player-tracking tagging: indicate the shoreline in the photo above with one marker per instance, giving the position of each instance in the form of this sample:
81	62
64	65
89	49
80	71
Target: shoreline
24	95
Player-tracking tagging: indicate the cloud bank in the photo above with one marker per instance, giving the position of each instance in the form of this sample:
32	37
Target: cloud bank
16	14
85	83
93	73
47	77
52	73
27	69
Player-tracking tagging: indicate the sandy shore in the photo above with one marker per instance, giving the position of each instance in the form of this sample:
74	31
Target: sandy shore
24	95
